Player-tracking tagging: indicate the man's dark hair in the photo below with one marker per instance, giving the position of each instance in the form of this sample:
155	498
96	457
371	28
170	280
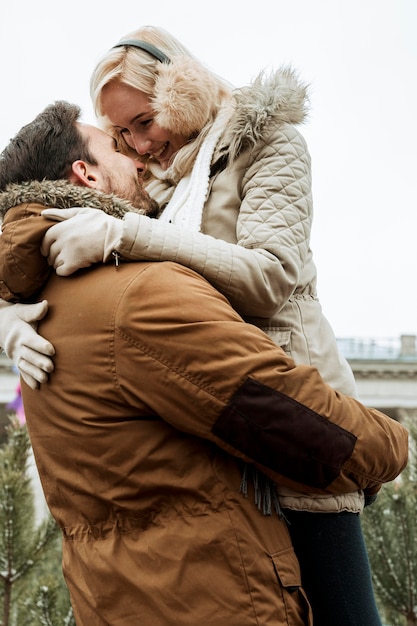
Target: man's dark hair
46	147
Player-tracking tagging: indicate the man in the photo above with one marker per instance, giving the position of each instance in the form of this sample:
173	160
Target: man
116	174
163	404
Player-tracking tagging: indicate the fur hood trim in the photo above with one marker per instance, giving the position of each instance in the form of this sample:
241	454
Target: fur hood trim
280	98
62	194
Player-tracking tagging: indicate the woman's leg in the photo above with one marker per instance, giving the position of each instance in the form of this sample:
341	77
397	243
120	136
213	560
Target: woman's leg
335	568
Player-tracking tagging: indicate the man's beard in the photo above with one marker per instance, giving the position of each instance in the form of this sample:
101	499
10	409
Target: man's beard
142	200
137	197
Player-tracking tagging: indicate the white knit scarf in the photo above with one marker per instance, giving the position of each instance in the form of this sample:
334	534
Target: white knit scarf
186	205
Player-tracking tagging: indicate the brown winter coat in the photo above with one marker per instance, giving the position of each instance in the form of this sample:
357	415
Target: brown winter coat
160	393
254	244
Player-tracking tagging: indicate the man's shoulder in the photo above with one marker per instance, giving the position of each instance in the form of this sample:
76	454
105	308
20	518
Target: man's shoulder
165	286
162	272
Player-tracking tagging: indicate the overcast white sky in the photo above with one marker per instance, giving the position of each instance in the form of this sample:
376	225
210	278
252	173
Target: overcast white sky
360	58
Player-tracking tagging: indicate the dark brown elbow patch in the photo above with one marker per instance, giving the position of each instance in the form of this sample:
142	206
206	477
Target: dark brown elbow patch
284	435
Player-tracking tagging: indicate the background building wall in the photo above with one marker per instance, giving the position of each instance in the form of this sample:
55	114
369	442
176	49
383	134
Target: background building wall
385	371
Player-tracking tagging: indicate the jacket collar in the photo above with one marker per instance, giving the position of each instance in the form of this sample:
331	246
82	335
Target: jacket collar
270	100
23	269
62	194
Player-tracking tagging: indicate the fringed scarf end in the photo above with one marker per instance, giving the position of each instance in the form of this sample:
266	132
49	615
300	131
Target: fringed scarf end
266	498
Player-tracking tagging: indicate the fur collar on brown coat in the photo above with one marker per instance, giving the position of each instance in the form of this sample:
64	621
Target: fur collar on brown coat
62	194
23	269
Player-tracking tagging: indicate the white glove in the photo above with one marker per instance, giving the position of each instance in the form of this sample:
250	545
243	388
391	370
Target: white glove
84	236
29	351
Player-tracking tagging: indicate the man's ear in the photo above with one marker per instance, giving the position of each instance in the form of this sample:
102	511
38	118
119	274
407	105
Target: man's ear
82	174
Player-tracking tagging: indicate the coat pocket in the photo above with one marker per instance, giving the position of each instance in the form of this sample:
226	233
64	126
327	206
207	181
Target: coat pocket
287	571
281	336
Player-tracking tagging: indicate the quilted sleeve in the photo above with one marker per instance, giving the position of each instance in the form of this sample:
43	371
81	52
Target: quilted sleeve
259	272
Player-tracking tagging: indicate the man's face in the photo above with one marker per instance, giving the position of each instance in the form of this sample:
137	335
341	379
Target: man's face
116	173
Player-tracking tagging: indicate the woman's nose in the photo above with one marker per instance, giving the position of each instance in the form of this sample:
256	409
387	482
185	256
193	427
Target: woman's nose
142	146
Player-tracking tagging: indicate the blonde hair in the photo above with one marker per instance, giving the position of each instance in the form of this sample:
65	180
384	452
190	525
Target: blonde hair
185	94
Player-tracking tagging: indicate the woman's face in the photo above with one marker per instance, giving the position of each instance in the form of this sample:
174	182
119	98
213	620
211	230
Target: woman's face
130	112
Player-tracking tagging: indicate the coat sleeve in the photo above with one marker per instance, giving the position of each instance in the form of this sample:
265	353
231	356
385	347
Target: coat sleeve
23	269
208	373
260	271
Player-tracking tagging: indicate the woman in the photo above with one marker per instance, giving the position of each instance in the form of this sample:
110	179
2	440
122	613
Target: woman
232	176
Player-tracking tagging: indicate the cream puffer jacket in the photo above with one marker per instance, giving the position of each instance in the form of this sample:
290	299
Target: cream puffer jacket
254	244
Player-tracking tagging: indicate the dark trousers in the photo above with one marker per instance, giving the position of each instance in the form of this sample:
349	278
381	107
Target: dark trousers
335	568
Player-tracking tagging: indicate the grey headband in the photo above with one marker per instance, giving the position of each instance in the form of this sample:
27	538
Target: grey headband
144	45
